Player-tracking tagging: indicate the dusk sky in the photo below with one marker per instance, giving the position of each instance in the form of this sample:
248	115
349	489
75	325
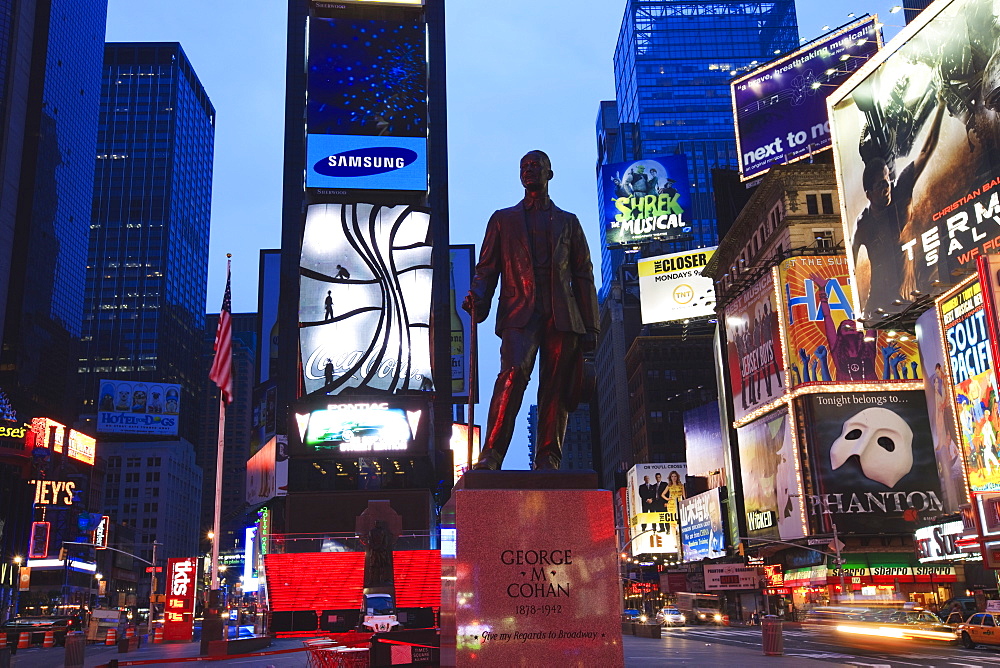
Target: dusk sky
522	74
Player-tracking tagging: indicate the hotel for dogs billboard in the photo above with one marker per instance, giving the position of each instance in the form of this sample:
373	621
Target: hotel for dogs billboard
364	311
646	200
671	287
366	118
780	108
917	148
137	407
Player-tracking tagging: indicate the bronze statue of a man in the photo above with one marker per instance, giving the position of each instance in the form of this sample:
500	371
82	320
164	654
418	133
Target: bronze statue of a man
539	255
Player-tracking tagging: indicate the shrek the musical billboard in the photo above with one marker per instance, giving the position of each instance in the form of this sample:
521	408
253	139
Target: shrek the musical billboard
917	147
646	199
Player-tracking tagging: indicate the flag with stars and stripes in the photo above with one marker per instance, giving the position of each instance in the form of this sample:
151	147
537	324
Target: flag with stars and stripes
222	365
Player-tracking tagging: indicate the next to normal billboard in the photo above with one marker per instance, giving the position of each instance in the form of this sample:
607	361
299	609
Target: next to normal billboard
360	162
780	108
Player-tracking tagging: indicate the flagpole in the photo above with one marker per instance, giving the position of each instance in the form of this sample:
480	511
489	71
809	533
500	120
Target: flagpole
217	520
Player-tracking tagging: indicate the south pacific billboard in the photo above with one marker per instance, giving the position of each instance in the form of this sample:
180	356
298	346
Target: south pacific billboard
780	108
646	200
756	367
872	460
917	150
136	407
671	287
824	341
364	313
366	118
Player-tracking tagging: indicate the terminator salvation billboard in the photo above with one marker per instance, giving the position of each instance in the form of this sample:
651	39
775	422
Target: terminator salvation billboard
917	147
671	287
646	199
364	312
780	108
824	341
872	460
753	348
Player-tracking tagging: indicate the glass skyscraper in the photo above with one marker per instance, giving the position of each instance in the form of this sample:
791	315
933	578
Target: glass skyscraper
147	266
673	63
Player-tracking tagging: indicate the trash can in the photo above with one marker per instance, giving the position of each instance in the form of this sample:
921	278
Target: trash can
770	628
75	644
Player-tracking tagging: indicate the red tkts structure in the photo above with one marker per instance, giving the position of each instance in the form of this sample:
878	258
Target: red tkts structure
333	580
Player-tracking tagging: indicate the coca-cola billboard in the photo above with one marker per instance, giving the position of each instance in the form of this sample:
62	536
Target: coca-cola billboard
178	611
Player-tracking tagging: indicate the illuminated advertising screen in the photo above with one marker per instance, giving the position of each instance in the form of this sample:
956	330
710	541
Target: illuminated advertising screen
81	447
872	460
770	481
133	407
703	444
363	427
671	287
646	200
460	447
462	262
940	410
824	341
267	472
973	382
702	533
267	306
364	307
178	609
654	491
916	147
366	118
753	349
780	108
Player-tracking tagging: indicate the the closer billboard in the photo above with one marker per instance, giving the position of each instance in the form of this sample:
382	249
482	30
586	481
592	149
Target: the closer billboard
134	407
366	118
671	287
917	149
365	276
646	199
780	108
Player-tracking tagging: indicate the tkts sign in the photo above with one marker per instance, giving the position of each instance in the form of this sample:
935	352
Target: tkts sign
178	614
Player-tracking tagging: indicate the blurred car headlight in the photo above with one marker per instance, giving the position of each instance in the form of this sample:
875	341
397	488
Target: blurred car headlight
718	618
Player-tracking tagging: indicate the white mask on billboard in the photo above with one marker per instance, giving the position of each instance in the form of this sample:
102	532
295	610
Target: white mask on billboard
883	442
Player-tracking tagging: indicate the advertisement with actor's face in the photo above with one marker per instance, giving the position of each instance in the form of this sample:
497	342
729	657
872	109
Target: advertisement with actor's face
654	491
780	108
671	287
873	460
646	199
916	143
753	350
364	312
825	343
771	494
702	533
970	362
940	411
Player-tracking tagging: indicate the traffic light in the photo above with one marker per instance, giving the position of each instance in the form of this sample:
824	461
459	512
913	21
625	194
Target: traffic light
741	549
63	553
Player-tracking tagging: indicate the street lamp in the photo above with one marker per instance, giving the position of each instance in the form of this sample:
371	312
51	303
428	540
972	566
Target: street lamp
18	560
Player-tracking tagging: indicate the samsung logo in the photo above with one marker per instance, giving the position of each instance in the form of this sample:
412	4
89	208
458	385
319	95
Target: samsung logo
366	161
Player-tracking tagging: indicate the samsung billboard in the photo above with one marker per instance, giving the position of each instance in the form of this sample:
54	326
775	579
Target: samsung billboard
780	108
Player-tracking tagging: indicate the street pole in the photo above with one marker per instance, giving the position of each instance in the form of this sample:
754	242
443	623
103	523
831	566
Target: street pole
840	562
152	591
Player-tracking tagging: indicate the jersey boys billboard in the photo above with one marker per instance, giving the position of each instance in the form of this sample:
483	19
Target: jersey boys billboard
753	353
366	118
364	311
780	108
646	199
671	287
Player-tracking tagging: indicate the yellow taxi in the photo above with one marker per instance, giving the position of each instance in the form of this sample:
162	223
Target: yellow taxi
982	628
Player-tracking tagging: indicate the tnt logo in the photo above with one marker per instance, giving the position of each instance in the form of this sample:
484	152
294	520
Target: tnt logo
683	294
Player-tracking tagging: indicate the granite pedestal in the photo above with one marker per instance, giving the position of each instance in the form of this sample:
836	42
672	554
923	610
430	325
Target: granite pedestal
531	578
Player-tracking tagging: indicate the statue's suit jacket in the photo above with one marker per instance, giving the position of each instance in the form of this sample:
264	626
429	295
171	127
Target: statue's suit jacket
506	259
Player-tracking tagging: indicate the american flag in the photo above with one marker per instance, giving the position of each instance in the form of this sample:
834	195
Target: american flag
222	365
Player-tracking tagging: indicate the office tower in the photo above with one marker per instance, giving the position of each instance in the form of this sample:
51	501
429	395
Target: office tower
50	75
578	445
238	429
147	265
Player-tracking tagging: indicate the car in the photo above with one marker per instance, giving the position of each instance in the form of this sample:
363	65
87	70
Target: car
37	626
982	628
670	617
963	605
631	615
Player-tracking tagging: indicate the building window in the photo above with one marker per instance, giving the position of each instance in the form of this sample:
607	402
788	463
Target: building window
114	462
153	476
132	477
819	203
133	462
824	239
152	461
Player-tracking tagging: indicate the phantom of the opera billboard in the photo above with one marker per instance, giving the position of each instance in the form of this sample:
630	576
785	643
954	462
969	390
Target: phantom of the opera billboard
771	488
753	349
703	535
646	199
671	287
872	460
917	147
780	108
654	491
364	307
134	407
356	426
366	119
824	341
